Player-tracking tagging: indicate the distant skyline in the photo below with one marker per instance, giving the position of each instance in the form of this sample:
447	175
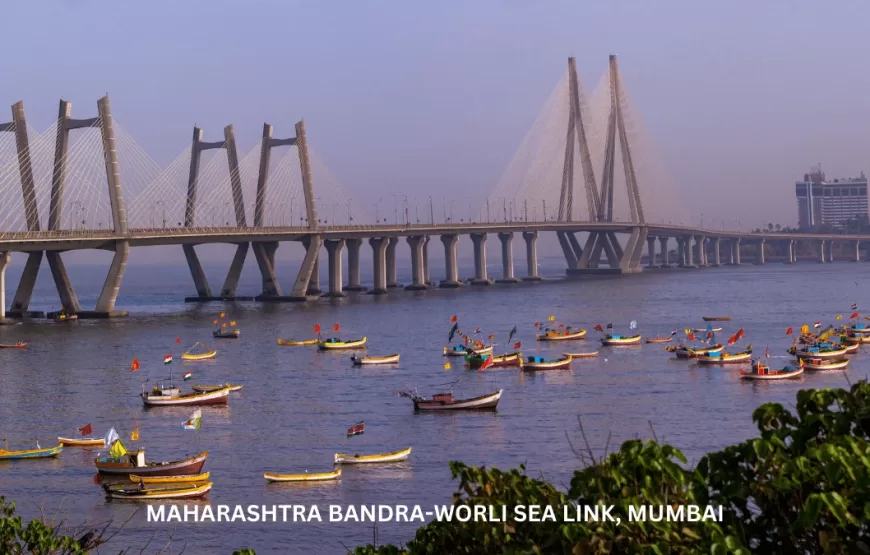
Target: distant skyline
739	99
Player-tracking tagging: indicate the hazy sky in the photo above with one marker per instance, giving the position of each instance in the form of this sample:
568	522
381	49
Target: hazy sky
740	97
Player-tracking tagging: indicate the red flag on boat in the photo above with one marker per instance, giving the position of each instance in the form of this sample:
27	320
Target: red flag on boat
492	336
740	333
316	328
517	345
788	331
854	315
598	327
732	340
537	324
178	340
134	365
691	337
453	319
709	335
486	363
86	430
335	327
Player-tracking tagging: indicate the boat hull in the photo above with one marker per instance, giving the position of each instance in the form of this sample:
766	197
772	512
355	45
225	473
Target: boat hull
218	397
320	477
374	361
592	354
192	465
31	453
398	456
612	342
659	339
562	364
716	318
838	353
190	492
563	337
484	402
487	350
234	334
81	442
211	388
778	376
830	365
200	356
15	346
300	343
733	359
181	479
340	345
697	353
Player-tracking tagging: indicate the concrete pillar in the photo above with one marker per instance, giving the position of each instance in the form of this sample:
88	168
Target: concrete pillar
113	175
24	293
392	282
480	277
109	294
451	267
822	253
418	279
759	257
651	251
263	177
231	283
717	260
831	250
681	252
379	265
314	283
507	258
333	250
426	278
665	256
353	248
791	259
857	251
531	238
736	245
264	253
701	244
58	178
4	261
307	270
690	262
199	279
68	298
25	168
307	181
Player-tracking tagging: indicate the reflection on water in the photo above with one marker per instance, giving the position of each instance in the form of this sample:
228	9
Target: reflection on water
297	403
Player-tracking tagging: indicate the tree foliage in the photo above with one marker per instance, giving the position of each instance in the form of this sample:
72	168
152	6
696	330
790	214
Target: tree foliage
803	486
39	538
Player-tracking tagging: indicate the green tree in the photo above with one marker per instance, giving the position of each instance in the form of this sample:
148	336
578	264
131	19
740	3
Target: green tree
41	539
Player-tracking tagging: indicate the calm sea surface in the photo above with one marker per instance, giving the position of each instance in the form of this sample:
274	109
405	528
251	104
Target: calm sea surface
297	403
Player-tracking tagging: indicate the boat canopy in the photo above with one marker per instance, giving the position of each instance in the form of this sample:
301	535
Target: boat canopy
714	354
615	337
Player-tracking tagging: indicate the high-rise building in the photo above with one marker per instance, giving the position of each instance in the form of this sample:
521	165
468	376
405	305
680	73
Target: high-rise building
830	203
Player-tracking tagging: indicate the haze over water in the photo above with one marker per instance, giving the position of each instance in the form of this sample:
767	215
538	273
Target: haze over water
297	403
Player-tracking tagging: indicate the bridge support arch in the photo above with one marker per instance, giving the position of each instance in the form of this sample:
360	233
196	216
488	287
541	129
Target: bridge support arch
531	239
507	258
451	266
480	276
417	276
379	265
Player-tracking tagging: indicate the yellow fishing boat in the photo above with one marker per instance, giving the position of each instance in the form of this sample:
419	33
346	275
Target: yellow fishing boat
397	456
334	343
296	343
184	478
209	353
38	453
566	334
318	477
82	442
184	491
210	388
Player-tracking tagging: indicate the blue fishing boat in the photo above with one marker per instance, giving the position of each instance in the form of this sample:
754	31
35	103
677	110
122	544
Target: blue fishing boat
535	363
39	453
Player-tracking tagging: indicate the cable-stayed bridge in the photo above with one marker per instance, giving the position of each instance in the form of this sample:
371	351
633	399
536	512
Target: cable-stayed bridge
584	172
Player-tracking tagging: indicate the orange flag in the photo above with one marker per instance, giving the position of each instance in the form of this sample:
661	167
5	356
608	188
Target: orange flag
316	328
134	365
453	319
788	331
178	340
335	327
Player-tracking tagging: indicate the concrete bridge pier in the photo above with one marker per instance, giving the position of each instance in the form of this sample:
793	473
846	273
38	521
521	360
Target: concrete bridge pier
418	278
231	283
681	253
759	255
264	254
392	282
68	299
651	252
353	248
701	242
4	261
314	289
831	250
531	238
690	262
857	251
507	258
480	277
665	256
21	301
106	301
333	250
791	258
451	267
308	271
379	265
426	279
735	251
822	252
717	260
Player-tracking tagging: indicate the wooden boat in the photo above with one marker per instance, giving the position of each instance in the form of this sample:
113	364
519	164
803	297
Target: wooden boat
761	371
617	340
396	456
61	317
818	364
718	357
210	388
40	453
716	318
690	352
374	360
859	329
172	397
462	350
475	361
851	348
199	356
82	441
135	463
184	478
702	330
317	477
821	350
296	343
188	491
225	334
658	339
568	334
536	363
592	354
357	429
854	339
16	345
446	401
333	344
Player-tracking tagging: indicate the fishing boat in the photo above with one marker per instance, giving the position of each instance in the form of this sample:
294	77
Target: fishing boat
396	456
210	388
181	479
64	317
617	340
475	361
374	360
82	441
224	333
446	401
120	462
317	477
38	453
818	364
702	330
658	339
297	343
718	357
462	350
819	350
568	334
209	353
537	363
851	348
591	354
807	338
761	371
716	318
187	491
692	352
859	329
856	339
159	397
357	429
16	345
334	343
